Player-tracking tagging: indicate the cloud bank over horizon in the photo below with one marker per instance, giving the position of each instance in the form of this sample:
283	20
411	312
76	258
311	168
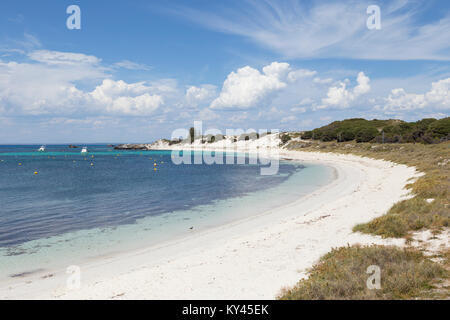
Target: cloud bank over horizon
48	85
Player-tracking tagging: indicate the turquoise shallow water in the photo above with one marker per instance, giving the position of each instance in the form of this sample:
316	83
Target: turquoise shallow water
81	207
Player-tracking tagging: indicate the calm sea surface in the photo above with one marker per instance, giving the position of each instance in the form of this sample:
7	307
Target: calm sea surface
108	195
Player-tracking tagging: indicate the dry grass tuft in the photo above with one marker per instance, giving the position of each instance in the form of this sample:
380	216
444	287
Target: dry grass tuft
341	275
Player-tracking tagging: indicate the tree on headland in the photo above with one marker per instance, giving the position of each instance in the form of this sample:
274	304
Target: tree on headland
192	134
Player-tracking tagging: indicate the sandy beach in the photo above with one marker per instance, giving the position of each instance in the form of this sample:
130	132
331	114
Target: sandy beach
249	259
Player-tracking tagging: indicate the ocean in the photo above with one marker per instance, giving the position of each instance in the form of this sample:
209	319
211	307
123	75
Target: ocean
60	207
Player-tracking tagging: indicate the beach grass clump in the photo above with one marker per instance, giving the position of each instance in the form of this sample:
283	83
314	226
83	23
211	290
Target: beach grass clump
342	274
409	215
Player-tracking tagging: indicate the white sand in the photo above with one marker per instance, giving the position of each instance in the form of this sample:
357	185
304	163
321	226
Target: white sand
250	259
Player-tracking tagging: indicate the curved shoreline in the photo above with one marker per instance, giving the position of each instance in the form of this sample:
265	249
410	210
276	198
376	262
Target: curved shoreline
249	259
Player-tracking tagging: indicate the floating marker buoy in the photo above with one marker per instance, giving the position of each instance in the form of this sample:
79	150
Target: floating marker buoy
20	164
35	172
92	164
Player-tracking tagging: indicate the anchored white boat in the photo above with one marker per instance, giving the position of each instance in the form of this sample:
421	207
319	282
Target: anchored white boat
84	150
41	149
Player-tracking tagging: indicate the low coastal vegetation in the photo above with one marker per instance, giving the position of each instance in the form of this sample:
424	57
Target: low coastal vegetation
406	273
342	274
429	208
423	144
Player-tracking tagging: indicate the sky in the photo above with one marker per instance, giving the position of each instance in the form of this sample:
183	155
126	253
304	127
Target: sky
137	70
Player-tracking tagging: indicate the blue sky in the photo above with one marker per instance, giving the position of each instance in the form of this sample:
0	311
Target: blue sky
137	70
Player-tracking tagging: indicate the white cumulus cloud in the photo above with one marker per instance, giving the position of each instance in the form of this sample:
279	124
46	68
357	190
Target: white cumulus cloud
123	98
247	87
438	98
47	87
197	95
341	97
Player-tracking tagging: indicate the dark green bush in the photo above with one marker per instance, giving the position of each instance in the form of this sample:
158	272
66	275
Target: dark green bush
440	128
366	134
285	138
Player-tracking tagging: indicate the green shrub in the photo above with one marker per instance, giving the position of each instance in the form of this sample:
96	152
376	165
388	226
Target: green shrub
366	134
285	138
347	135
440	128
307	135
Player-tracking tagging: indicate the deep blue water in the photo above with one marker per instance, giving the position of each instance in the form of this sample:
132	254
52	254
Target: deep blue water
108	188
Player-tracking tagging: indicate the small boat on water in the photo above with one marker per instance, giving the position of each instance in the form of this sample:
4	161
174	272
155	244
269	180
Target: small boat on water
84	150
41	149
